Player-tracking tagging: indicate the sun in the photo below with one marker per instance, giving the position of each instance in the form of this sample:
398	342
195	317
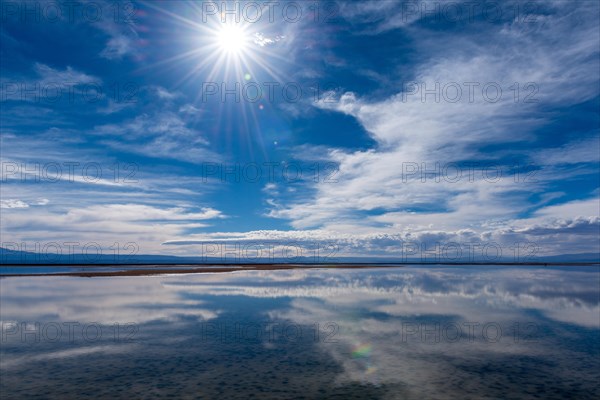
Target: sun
232	39
217	47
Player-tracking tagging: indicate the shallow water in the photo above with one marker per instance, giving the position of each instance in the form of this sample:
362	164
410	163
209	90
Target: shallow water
63	269
391	333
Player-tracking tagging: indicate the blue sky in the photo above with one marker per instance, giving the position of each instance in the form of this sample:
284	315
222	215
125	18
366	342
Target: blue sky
359	125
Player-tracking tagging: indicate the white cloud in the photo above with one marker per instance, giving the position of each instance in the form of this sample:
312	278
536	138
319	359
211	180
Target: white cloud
577	151
48	84
13	203
105	224
569	229
117	47
262	40
374	191
119	24
163	134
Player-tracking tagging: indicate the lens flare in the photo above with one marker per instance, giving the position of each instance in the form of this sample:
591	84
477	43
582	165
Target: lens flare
363	350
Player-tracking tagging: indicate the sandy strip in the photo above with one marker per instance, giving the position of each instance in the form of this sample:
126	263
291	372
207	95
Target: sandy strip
158	269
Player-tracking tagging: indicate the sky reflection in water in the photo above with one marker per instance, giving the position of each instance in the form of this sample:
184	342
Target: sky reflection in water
419	332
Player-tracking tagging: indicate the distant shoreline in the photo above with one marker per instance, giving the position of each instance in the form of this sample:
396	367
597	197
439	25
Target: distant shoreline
174	269
159	269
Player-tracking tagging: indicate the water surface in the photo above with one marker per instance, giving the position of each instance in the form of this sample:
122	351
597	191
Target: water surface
391	333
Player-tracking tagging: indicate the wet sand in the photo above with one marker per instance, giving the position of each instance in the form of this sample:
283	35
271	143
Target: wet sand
172	269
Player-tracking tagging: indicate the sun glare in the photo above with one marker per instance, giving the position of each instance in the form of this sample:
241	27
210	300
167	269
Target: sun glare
227	50
232	39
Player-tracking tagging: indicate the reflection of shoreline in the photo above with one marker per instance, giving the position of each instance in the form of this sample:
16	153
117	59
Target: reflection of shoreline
173	269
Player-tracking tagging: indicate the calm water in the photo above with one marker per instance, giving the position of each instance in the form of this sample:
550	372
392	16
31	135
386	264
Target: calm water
390	333
61	269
